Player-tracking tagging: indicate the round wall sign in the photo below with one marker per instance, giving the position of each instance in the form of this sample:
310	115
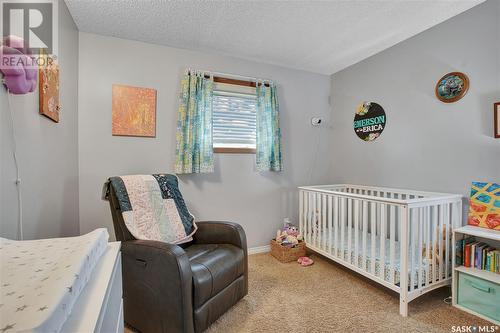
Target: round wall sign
451	87
369	121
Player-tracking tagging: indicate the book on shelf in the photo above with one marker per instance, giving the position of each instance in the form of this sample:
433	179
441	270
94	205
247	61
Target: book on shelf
467	255
472	253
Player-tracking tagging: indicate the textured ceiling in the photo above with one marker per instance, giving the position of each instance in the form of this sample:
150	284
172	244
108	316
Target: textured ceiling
317	36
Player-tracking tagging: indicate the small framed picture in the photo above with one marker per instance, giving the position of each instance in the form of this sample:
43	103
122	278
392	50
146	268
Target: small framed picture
496	119
452	87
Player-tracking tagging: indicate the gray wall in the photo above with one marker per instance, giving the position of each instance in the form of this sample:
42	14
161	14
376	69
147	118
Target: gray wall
427	144
234	191
48	155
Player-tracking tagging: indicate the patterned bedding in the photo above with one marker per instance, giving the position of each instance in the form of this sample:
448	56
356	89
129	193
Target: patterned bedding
381	264
42	279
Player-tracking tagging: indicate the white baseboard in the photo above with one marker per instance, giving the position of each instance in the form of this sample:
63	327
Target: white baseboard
259	249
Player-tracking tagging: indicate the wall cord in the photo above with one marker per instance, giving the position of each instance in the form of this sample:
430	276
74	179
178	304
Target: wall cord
20	235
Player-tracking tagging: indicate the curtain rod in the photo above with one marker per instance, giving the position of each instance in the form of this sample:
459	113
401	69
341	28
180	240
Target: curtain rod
235	76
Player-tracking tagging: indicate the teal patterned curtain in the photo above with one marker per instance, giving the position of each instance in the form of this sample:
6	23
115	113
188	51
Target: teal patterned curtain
268	153
194	150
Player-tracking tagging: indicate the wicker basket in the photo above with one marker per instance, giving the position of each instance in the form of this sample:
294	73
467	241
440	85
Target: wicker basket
287	254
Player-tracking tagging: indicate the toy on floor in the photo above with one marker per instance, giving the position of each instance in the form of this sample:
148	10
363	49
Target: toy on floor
305	261
288	236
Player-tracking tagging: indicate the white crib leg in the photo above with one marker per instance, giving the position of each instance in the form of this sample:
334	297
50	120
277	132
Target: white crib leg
403	305
403	272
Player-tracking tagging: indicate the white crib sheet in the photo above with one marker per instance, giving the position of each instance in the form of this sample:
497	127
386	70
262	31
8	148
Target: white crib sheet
42	279
366	265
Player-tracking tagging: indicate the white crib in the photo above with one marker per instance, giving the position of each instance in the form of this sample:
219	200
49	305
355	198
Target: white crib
383	232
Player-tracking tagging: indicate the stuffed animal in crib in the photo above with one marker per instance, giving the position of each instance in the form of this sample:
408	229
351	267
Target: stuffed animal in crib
434	249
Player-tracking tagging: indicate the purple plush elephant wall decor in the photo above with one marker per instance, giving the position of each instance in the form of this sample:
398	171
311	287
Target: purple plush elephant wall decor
18	66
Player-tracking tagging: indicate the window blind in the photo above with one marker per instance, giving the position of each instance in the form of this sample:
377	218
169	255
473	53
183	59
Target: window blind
234	120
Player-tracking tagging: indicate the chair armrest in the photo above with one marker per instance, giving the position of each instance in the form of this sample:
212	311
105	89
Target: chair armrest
157	287
218	232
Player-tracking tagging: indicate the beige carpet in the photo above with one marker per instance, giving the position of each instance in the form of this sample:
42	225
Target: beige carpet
328	298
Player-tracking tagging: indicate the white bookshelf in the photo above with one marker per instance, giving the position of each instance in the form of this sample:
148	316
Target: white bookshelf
489	236
480	273
479	232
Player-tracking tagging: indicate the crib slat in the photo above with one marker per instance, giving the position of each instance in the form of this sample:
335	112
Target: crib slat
428	227
356	232
413	235
324	234
383	235
434	250
330	222
373	234
319	236
305	233
349	229
392	246
312	207
446	237
440	241
306	212
336	213
316	219
420	240
311	216
365	231
403	255
317	239
342	227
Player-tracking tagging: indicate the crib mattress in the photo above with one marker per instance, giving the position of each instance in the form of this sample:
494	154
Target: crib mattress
413	266
42	279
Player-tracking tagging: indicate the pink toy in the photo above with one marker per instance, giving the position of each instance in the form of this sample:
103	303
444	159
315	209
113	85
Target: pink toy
305	261
17	66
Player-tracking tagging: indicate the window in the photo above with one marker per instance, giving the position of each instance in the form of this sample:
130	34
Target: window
234	118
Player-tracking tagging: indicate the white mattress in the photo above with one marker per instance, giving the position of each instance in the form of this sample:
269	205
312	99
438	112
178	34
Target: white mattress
42	279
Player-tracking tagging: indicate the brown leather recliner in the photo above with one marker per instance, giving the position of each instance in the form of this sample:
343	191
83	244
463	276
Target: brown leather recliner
172	288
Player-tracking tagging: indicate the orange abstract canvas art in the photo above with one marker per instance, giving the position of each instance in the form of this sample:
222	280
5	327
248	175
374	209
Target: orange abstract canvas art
134	111
49	103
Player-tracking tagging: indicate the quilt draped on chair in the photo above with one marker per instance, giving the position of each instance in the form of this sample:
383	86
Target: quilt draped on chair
194	150
153	208
268	152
